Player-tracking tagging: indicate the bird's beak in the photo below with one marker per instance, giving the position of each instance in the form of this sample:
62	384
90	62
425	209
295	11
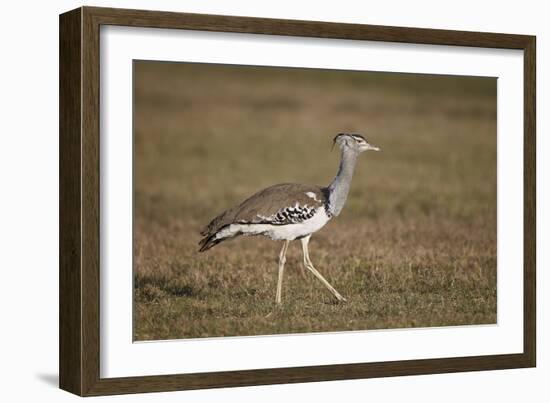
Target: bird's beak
370	147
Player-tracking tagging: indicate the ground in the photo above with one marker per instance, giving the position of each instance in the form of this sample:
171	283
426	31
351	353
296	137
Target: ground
415	245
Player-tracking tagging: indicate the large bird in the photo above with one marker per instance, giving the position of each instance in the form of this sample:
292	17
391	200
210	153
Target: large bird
291	211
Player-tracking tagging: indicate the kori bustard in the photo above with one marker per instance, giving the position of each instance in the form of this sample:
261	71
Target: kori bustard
291	211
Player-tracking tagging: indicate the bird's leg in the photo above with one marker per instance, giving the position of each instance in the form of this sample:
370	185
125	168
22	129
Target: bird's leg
303	269
282	260
303	273
309	266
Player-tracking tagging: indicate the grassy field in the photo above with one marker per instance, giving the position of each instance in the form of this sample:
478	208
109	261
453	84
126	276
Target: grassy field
415	245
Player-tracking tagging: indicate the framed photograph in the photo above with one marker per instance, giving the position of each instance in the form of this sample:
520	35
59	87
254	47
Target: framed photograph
249	201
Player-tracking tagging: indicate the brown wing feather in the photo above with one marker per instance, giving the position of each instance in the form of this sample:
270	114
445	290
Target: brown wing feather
267	203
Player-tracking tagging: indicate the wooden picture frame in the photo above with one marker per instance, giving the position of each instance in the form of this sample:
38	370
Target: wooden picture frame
79	347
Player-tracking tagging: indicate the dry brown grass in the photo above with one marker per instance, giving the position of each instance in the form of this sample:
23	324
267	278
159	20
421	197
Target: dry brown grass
414	246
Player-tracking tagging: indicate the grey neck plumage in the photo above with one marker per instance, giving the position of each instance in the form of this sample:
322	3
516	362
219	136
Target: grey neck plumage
339	188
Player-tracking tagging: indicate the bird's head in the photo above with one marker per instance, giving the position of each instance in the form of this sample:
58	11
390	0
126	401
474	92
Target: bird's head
354	142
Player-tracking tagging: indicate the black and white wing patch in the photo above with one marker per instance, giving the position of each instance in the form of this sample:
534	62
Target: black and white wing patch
289	215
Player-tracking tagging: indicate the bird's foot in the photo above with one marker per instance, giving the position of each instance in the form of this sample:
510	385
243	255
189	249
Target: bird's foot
278	306
341	299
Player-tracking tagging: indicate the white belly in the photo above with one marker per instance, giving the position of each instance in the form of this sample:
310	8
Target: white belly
279	232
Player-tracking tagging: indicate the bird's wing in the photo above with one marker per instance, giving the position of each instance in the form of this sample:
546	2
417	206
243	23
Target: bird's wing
282	204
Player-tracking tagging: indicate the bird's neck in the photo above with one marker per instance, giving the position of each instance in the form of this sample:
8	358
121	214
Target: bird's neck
339	188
